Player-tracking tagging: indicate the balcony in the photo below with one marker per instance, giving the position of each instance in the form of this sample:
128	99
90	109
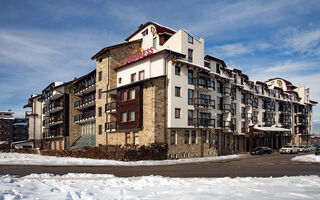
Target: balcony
203	83
53	107
86	102
53	134
204	102
52	95
55	120
85	117
302	122
269	107
302	112
284	108
86	87
268	121
226	107
205	122
111	107
226	91
111	127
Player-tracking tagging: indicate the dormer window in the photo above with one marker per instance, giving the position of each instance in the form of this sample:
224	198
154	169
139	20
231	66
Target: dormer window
155	41
145	32
190	39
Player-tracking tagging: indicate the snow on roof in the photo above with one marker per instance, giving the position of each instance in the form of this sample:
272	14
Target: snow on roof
21	124
189	63
56	84
272	129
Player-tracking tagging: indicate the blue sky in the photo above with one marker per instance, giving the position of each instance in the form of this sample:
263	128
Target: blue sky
45	41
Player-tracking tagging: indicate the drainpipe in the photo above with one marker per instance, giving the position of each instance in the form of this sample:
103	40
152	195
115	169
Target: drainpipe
108	83
166	95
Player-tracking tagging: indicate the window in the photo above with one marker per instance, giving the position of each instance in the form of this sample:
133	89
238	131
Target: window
100	59
177	113
133	77
100	111
204	136
190	97
190	55
100	129
219	120
194	137
234	109
136	138
132	115
141	75
242	98
173	137
177	91
190	77
218	68
186	137
190	39
145	32
127	138
124	96
190	117
119	80
177	70
132	94
155	41
100	76
100	93
123	117
219	88
219	103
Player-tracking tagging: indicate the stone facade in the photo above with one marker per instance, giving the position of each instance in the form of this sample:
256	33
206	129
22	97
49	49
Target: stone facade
75	129
106	63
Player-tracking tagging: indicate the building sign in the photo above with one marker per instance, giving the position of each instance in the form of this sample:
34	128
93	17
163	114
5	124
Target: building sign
138	54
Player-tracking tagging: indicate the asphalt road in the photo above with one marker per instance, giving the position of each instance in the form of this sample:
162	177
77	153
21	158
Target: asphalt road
274	165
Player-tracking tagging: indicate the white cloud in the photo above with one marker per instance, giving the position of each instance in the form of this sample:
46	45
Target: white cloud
291	67
230	50
302	41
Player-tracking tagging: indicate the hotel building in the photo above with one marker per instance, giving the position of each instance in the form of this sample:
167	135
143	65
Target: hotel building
159	86
166	90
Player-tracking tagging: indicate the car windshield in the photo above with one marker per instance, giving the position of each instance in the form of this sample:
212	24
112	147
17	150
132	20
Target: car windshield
288	146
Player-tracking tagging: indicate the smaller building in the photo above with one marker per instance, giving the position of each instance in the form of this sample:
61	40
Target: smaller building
20	129
6	119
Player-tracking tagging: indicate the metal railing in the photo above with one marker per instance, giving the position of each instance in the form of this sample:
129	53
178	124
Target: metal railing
204	102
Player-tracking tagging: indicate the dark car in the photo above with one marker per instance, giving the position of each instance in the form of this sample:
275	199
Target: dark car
261	150
317	152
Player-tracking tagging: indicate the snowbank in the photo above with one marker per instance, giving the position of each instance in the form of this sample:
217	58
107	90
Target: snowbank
33	159
95	186
307	158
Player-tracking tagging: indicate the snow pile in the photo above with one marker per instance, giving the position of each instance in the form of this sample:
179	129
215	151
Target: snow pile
95	186
307	158
34	159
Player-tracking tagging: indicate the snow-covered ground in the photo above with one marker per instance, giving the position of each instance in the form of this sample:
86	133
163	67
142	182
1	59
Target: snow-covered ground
307	158
34	159
95	186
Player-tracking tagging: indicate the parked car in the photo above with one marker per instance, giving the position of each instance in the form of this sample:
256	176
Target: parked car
314	147
289	149
261	150
304	148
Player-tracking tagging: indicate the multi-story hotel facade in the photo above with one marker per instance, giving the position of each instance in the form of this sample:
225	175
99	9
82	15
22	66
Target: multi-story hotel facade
167	90
159	86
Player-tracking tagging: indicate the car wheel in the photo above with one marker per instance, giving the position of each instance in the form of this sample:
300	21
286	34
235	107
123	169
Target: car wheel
291	152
